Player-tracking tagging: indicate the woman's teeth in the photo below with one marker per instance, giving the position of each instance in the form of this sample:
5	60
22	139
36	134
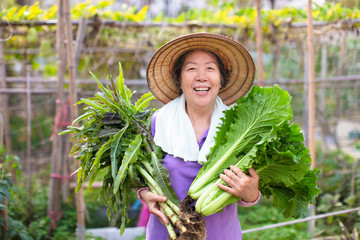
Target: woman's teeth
202	89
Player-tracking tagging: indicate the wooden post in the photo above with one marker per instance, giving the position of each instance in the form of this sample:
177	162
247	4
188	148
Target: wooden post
79	40
276	63
306	97
311	83
54	201
4	121
311	88
338	91
28	135
80	207
259	45
322	103
4	125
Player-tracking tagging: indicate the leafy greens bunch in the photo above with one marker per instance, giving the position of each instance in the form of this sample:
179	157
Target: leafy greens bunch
257	133
115	137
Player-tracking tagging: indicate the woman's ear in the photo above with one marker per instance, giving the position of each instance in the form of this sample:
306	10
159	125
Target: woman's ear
180	88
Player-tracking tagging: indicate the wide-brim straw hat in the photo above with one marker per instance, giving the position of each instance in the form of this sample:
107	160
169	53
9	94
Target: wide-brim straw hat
234	56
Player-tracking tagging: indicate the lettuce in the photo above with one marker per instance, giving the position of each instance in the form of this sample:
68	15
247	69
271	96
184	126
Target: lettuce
257	133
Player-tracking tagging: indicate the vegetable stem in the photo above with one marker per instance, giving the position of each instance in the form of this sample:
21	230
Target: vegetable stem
156	187
171	231
199	183
167	210
170	213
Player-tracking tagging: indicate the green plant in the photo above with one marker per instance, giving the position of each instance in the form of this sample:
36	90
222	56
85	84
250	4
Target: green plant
338	191
9	228
257	133
142	237
263	214
115	140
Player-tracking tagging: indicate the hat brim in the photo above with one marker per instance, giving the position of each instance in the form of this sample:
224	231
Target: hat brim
235	57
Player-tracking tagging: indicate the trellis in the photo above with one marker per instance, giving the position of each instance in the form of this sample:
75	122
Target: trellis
289	32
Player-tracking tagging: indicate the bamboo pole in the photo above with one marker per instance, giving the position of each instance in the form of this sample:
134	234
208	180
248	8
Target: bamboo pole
311	108
306	97
54	203
311	83
338	91
79	40
4	127
322	103
28	137
4	121
259	45
80	207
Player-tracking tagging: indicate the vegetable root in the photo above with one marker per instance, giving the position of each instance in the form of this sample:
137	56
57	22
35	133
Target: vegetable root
192	220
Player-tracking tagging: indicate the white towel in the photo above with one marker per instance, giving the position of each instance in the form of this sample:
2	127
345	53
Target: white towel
175	133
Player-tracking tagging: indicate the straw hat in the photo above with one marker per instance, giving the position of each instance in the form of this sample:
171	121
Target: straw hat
234	56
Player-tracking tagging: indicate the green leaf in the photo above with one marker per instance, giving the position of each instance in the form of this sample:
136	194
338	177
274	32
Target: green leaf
93	177
101	86
94	104
107	132
106	146
130	156
143	102
84	116
113	105
68	131
161	177
122	90
115	151
134	176
125	190
84	131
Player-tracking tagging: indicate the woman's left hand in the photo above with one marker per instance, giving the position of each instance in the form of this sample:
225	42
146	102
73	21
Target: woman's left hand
241	185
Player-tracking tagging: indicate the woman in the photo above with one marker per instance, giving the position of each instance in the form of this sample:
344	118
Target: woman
196	76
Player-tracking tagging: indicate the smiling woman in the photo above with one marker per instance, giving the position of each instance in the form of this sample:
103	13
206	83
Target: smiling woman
163	68
196	76
200	83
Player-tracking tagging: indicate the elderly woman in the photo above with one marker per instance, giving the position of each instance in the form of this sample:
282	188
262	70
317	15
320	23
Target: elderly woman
197	76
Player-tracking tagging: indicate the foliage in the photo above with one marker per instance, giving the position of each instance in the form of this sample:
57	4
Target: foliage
41	37
86	9
142	237
115	139
264	214
35	223
257	133
224	13
338	191
15	229
335	183
28	219
8	163
41	128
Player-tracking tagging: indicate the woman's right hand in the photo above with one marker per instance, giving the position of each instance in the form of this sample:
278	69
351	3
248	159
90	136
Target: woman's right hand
151	201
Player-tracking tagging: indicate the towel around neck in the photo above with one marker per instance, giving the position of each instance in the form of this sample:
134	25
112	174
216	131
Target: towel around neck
175	133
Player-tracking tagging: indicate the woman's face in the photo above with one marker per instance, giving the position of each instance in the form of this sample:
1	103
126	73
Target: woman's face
200	79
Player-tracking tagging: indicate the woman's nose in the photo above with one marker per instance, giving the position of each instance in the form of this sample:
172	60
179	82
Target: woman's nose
201	76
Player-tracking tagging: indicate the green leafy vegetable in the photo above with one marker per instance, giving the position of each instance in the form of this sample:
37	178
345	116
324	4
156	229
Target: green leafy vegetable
257	133
115	137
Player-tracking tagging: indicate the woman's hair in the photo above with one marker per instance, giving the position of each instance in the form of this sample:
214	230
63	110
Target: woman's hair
179	63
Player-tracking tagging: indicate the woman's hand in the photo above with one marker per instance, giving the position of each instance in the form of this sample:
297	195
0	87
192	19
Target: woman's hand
241	185
151	201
